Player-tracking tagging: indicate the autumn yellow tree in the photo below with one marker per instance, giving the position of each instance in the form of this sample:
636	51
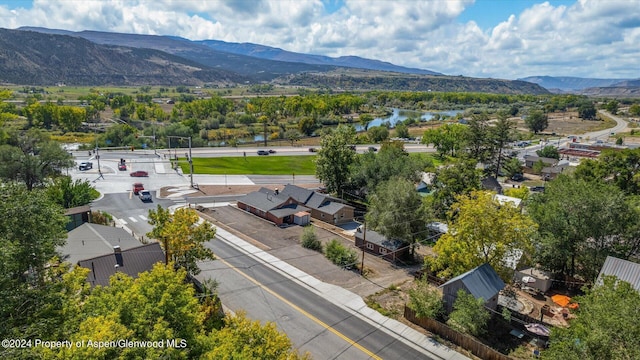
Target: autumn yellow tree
483	231
182	236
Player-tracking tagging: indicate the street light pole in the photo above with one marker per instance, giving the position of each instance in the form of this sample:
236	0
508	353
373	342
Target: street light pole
190	157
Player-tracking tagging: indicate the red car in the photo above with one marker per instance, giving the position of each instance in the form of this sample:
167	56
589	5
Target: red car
137	187
139	173
122	167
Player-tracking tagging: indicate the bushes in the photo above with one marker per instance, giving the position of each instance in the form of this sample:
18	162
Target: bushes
309	239
340	255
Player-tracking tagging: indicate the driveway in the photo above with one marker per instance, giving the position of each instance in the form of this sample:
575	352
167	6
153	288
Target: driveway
284	243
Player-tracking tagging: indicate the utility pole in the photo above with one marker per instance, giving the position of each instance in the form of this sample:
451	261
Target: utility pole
190	157
364	244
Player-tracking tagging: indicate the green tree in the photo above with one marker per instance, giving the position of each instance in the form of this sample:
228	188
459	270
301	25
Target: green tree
512	167
182	236
587	111
334	158
309	239
292	135
478	140
397	212
452	180
483	231
549	151
618	167
536	121
32	158
402	131
605	327
447	139
612	106
31	227
340	254
307	126
378	134
370	169
634	110
68	193
425	300
499	136
580	223
242	338
469	314
364	120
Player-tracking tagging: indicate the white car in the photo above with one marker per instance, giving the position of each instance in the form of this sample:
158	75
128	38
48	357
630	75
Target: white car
144	195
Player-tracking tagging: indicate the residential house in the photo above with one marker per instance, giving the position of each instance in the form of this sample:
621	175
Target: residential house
530	160
77	216
131	262
425	186
271	205
622	269
105	250
377	244
90	240
322	207
551	172
481	282
490	183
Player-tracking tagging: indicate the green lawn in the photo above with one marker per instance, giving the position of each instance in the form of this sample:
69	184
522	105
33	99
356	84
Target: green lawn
253	165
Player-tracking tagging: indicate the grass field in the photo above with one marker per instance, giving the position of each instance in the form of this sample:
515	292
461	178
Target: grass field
253	165
268	165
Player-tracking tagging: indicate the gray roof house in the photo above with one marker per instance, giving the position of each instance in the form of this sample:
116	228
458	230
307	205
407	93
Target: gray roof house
622	269
481	282
132	262
272	205
90	240
378	244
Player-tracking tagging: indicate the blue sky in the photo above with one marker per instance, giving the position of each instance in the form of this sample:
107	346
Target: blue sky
483	38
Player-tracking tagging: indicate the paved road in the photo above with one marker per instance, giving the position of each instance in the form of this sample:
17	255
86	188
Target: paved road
621	125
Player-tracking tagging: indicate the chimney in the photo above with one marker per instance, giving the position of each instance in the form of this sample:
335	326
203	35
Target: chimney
118	253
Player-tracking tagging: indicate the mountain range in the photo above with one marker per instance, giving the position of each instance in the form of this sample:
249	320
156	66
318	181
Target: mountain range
40	56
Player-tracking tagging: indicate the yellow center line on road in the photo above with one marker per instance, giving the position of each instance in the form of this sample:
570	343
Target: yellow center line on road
303	312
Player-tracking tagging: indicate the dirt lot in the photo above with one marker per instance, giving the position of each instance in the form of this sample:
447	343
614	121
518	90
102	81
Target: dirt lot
284	243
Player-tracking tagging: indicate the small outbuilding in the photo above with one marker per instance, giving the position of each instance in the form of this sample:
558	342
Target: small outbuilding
377	244
481	282
301	218
535	278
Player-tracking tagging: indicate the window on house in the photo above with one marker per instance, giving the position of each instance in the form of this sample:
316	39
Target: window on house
383	251
370	246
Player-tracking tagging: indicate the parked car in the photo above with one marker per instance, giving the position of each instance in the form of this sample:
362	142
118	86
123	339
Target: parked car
144	195
122	167
271	151
86	165
537	188
263	152
517	177
137	187
313	150
372	149
139	173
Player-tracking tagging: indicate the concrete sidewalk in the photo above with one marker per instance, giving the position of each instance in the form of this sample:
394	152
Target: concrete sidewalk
345	299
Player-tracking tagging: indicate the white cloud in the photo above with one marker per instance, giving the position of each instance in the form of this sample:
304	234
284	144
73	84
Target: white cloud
590	38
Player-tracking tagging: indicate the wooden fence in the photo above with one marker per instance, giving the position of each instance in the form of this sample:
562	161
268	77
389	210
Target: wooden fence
467	342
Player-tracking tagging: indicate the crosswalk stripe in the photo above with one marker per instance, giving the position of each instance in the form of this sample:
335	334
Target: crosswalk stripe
123	222
144	218
133	219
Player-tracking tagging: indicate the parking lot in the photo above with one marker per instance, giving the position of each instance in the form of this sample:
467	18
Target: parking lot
284	243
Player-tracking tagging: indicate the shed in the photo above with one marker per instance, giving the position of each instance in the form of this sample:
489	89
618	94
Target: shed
481	282
543	280
622	269
377	244
77	216
301	218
